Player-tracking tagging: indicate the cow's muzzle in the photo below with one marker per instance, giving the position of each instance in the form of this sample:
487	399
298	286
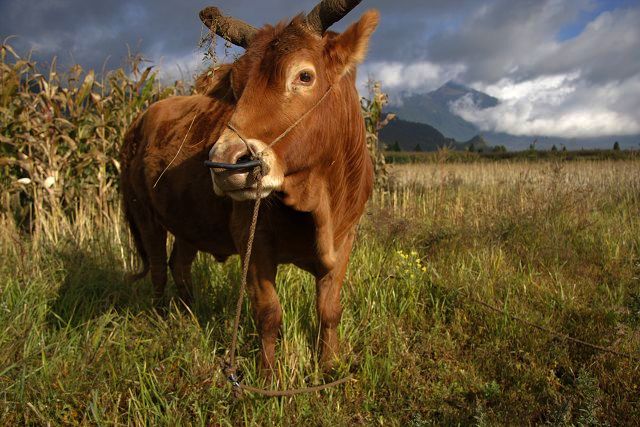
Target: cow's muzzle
232	164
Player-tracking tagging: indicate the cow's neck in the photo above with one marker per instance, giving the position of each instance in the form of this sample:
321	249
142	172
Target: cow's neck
334	193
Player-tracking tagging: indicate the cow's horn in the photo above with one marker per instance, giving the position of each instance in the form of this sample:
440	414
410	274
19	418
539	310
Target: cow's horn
236	31
328	12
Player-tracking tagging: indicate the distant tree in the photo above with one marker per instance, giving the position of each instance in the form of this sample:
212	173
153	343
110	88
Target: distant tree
417	148
471	148
564	148
499	149
395	147
616	146
554	148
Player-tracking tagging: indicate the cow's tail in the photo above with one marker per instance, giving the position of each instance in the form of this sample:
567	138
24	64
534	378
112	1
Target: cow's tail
137	239
127	153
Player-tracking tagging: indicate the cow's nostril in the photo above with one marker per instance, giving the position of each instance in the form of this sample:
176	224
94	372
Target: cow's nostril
244	159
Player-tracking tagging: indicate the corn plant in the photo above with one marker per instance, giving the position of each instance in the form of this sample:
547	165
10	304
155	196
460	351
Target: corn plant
375	119
60	134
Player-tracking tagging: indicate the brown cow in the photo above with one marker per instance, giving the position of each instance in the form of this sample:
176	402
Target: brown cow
317	179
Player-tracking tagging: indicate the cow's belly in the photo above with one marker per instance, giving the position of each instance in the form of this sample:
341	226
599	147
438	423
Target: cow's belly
206	229
192	212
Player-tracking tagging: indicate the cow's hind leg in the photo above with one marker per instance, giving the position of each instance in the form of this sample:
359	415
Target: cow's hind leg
154	238
158	263
182	256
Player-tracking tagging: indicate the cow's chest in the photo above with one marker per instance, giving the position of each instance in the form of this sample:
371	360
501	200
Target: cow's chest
288	234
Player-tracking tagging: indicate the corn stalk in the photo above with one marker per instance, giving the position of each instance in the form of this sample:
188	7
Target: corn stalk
60	134
375	119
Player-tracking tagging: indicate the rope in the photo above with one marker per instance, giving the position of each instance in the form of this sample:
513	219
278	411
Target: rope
230	368
179	149
295	391
301	118
246	143
552	332
245	270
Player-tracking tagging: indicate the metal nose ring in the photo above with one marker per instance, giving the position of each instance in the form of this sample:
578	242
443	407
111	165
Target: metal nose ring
251	164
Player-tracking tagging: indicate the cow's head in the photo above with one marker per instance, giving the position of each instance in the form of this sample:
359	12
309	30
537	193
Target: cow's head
286	72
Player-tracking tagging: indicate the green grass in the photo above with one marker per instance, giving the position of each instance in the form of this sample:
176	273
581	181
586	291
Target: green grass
557	244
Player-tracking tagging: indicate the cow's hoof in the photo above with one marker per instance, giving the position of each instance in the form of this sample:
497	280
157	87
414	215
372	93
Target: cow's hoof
267	373
328	363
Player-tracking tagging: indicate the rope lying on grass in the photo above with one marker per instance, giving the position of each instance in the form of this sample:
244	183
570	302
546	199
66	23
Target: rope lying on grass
634	357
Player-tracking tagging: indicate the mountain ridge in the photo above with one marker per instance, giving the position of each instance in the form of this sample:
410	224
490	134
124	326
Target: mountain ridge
412	136
433	109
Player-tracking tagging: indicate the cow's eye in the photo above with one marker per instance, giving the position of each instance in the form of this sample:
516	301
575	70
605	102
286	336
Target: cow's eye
305	78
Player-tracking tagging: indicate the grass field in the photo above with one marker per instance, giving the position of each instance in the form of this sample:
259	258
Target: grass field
489	155
554	243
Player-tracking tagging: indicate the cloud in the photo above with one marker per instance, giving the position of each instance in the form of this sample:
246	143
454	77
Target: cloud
505	39
585	86
183	67
399	77
561	105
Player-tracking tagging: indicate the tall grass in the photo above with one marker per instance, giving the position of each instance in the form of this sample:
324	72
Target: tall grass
555	243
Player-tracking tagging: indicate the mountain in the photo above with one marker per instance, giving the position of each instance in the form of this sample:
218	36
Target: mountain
412	136
452	91
433	108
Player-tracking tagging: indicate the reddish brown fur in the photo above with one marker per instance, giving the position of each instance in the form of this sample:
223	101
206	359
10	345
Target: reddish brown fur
328	173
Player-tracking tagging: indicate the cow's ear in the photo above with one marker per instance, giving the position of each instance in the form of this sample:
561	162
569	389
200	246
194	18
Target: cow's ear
348	49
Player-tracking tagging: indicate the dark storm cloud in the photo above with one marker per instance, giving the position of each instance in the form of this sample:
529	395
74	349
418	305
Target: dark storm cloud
90	31
501	40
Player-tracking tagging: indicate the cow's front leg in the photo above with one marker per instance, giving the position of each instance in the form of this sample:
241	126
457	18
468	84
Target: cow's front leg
328	286
265	305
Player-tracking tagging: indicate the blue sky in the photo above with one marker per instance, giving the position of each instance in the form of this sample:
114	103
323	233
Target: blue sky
561	67
575	27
